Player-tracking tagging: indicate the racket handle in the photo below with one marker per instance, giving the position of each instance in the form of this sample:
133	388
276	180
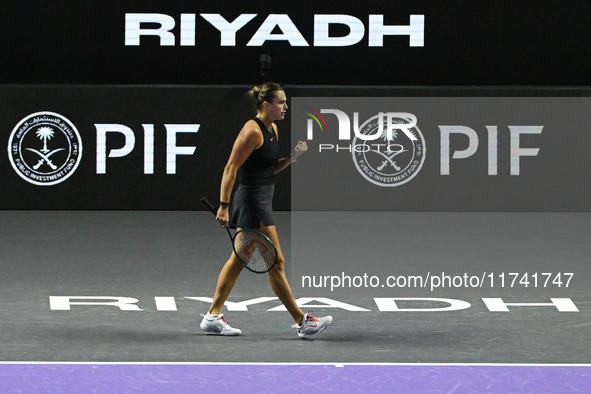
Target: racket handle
208	205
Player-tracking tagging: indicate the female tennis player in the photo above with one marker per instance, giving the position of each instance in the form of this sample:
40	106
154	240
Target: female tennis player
255	158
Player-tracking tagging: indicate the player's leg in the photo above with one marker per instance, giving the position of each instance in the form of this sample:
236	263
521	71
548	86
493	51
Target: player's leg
277	277
214	321
226	281
305	323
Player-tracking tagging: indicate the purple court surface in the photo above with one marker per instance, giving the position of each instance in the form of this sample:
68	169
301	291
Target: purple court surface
255	378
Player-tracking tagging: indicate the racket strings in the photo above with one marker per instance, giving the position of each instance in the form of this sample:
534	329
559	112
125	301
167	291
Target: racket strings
255	251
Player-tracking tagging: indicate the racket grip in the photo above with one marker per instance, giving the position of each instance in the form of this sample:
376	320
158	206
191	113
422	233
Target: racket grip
208	205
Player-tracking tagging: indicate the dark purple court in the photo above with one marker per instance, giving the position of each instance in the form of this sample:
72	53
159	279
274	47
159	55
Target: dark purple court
256	378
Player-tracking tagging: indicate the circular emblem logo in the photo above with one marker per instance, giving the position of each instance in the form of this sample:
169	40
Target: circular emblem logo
45	148
387	162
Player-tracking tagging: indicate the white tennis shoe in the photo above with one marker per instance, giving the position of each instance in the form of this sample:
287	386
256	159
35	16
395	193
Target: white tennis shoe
312	325
217	324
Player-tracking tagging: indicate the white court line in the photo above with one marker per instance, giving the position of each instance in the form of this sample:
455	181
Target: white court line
288	364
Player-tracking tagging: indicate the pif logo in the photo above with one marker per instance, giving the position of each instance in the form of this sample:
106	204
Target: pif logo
394	161
388	149
45	148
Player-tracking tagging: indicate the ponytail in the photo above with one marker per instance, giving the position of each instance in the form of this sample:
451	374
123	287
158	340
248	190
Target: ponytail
265	92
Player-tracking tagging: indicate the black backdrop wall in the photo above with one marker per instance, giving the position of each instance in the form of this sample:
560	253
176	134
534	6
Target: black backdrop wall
465	42
177	72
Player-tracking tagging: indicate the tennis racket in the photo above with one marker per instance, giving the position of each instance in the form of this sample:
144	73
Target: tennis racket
253	249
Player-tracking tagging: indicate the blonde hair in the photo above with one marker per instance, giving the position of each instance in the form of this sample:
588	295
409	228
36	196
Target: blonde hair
265	92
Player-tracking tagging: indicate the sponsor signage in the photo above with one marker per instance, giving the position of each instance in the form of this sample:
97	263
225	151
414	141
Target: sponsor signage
119	147
382	304
441	153
411	43
165	147
289	32
45	148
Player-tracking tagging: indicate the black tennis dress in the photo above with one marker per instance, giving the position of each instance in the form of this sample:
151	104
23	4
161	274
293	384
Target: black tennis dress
252	203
